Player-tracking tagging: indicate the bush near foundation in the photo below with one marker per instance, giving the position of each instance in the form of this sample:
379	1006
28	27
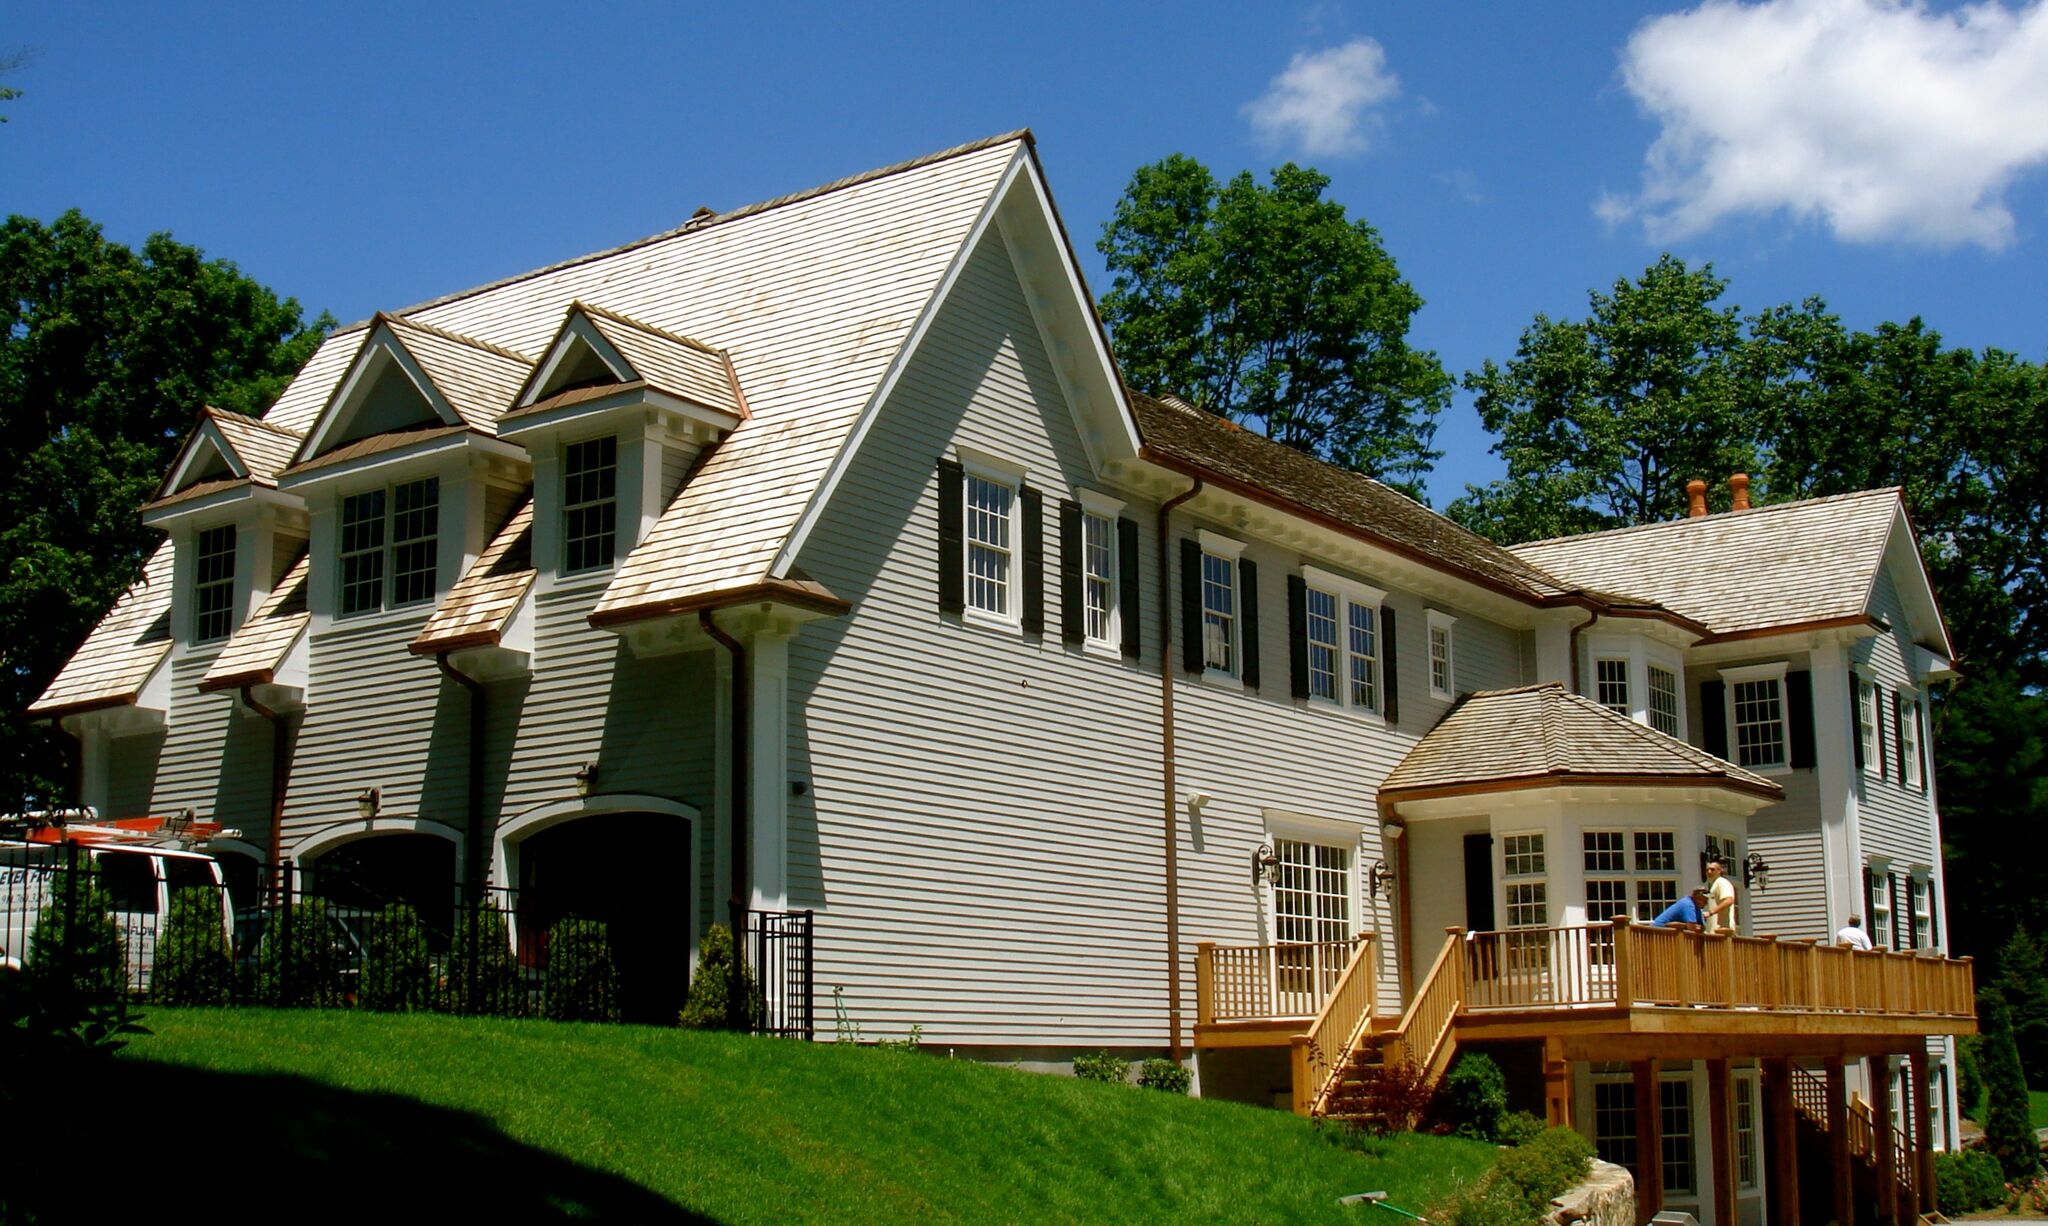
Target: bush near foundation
583	981
397	972
302	959
194	965
481	978
710	1002
1101	1066
1159	1073
1968	1181
77	948
1473	1099
1519	1189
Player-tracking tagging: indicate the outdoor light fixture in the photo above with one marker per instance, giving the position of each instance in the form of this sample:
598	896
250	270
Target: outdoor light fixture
1392	830
1756	875
586	775
1381	874
367	802
1265	865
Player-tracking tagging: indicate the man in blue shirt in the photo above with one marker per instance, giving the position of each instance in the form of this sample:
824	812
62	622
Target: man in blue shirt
1688	910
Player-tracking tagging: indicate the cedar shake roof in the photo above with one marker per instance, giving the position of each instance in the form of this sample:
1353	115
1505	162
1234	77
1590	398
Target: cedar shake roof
110	668
1541	735
376	444
1181	436
263	448
259	645
479	378
476	609
1785	564
685	368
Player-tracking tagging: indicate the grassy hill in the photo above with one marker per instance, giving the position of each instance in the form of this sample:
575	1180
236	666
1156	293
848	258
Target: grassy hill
229	1115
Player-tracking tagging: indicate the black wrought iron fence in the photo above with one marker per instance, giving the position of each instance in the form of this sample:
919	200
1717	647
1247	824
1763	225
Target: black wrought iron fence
307	943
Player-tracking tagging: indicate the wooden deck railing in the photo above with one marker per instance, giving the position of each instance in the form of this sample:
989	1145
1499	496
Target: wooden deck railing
1670	966
1320	1052
1251	982
1424	1035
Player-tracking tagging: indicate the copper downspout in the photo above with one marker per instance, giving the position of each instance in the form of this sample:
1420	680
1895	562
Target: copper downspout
478	845
1592	615
742	755
280	773
1172	808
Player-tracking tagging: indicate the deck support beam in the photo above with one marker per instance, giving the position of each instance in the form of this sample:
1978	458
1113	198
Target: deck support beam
1557	1084
1722	1147
1923	1128
1649	1143
1782	1135
1838	1142
1880	1076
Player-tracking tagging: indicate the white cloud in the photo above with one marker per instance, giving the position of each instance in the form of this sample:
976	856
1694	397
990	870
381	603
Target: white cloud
1881	118
1322	103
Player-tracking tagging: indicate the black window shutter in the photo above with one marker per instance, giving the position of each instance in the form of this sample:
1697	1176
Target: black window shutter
1297	634
1920	746
1899	737
1191	606
1869	901
1799	713
1714	716
952	539
1033	613
1856	718
1933	915
1900	920
1127	603
1073	606
1390	666
1248	620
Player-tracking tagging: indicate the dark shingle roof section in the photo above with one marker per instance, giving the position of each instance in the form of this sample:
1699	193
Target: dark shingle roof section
1182	436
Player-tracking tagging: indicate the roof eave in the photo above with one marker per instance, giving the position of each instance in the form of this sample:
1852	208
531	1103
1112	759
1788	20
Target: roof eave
779	591
1389	797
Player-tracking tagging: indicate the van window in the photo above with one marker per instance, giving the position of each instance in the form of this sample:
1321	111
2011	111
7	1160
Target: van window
183	874
129	881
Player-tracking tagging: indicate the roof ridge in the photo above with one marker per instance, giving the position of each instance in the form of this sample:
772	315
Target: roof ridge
706	221
650	329
1759	509
457	337
249	419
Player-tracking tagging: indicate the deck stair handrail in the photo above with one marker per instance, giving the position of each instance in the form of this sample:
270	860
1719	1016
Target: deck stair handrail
1321	1052
1809	1094
1424	1035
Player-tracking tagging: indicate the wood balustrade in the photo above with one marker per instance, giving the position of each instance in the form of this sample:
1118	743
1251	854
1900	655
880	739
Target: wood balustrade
1424	1035
1671	966
1285	979
1346	1015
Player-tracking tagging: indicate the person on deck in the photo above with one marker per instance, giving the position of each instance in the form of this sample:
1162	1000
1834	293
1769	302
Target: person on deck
1720	910
1688	911
1852	934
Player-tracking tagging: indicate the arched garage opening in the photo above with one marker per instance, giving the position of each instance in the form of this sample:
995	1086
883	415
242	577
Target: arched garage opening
361	875
630	868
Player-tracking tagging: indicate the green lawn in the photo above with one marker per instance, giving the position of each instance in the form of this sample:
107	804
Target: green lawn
358	1116
2037	1108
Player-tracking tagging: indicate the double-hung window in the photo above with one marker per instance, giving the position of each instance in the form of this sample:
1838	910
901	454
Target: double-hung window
590	503
389	534
1867	736
213	604
1342	632
1882	933
1443	681
1909	741
991	534
1664	700
1100	565
1923	913
1756	716
1221	605
1610	683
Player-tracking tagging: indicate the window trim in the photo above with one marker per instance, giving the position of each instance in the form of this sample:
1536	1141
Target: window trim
1229	551
1627	710
1909	737
386	549
976	465
1098	506
1650	670
202	586
1509	880
1867	704
1439	620
566	507
1774	671
1883	936
1348	594
1919	903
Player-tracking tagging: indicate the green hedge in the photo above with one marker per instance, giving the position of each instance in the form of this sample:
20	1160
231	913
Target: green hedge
194	965
1968	1181
397	972
582	981
77	949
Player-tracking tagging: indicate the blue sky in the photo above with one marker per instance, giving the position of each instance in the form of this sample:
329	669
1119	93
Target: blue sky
1886	157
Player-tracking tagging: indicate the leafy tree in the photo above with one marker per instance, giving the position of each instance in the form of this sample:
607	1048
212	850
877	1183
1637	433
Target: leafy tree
2008	1134
106	356
1266	304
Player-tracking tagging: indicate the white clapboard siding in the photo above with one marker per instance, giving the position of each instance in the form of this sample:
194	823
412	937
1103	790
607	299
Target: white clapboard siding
1897	823
214	759
1787	835
131	773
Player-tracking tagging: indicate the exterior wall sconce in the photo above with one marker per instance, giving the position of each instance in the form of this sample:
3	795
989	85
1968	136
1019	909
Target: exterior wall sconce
368	801
1756	875
1381	875
586	776
1265	865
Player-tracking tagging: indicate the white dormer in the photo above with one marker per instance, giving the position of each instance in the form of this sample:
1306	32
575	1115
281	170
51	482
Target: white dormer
614	416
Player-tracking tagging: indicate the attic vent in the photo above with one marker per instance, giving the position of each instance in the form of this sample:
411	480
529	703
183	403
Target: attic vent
703	211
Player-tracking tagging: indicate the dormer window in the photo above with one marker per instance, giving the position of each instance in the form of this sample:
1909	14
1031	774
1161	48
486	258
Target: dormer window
590	503
213	603
390	531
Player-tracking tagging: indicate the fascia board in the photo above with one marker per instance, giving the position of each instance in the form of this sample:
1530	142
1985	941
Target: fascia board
405	456
260	494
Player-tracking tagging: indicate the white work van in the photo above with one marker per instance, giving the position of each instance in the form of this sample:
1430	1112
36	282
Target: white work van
137	881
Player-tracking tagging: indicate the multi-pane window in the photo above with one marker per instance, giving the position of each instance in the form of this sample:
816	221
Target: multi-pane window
1614	1122
1656	851
990	504
391	532
1923	914
1364	655
1909	741
590	503
1628	873
1675	1103
1311	904
362	551
1614	1129
415	515
1523	865
1759	722
1664	700
1323	651
1442	680
1219	613
1866	727
1098	575
213	603
1745	1132
1880	904
1610	682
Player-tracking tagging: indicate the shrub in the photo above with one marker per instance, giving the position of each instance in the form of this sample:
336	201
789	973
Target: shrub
1474	1097
2007	1133
1970	1074
1968	1181
1487	1204
1101	1066
1519	1189
194	965
301	960
1162	1074
482	978
710	1001
1520	1128
397	973
77	948
1387	1098
583	982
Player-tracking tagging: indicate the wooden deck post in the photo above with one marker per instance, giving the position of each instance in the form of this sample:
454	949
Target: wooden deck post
1923	1130
1838	1142
1880	1068
1557	1084
1721	1135
1624	964
1304	1088
1205	982
1649	1143
1782	1135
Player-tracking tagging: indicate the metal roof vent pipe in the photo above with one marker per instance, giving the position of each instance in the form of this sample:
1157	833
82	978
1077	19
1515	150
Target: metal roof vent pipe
1696	498
1738	490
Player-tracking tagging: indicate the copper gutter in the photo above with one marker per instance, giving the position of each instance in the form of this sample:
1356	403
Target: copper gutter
1572	644
1389	798
280	770
1172	808
478	845
785	591
742	756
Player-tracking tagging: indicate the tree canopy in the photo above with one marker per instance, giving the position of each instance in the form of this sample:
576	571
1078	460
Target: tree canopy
1266	304
106	356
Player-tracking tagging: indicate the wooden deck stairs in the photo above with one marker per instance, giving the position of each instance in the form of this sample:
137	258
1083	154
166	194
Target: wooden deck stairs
1809	1098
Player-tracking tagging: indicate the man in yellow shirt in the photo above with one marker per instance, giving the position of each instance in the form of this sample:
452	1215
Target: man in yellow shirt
1720	910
